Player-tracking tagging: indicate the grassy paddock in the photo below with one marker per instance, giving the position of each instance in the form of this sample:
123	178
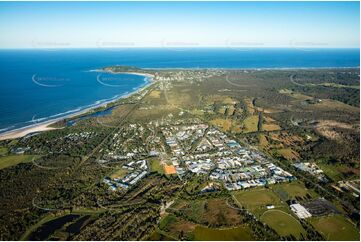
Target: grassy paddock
155	166
290	190
251	124
12	160
238	233
289	154
3	150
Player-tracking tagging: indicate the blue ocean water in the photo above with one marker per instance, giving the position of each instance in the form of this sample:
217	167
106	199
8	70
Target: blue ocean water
36	85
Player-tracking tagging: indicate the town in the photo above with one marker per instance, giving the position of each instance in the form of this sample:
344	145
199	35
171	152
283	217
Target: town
193	149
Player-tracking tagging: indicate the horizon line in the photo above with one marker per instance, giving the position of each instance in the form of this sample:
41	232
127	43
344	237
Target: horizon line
185	47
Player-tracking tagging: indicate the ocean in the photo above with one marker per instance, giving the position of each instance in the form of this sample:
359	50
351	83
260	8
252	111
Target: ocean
38	84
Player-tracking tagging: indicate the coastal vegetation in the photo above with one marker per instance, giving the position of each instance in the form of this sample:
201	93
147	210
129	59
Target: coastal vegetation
56	190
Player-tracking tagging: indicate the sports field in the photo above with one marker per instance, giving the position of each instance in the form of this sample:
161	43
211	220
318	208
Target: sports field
256	200
336	227
284	224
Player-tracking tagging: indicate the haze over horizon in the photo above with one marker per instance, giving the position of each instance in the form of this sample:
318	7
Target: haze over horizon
187	24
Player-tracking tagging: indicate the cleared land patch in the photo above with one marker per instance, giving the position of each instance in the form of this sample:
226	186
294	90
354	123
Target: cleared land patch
12	160
217	212
213	212
289	154
3	150
155	166
240	233
155	94
169	169
336	227
270	127
120	173
295	95
327	128
251	124
176	227
225	124
290	190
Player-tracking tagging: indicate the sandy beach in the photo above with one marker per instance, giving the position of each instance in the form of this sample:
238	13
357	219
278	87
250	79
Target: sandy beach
27	130
44	126
131	73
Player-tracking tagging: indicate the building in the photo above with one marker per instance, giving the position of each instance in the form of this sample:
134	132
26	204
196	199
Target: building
300	211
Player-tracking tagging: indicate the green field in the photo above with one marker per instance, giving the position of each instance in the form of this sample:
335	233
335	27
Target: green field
256	200
166	221
284	224
196	210
3	150
159	236
334	171
213	212
239	233
156	166
290	190
336	227
12	160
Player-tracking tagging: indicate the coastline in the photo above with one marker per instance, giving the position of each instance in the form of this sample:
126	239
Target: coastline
251	68
44	126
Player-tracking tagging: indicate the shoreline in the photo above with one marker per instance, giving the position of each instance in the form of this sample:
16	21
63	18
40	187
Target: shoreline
130	73
44	126
249	68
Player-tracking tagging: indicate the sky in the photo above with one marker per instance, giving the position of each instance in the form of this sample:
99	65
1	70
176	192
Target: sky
173	24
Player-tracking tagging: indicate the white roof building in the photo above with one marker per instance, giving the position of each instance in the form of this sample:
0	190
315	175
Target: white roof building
300	211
